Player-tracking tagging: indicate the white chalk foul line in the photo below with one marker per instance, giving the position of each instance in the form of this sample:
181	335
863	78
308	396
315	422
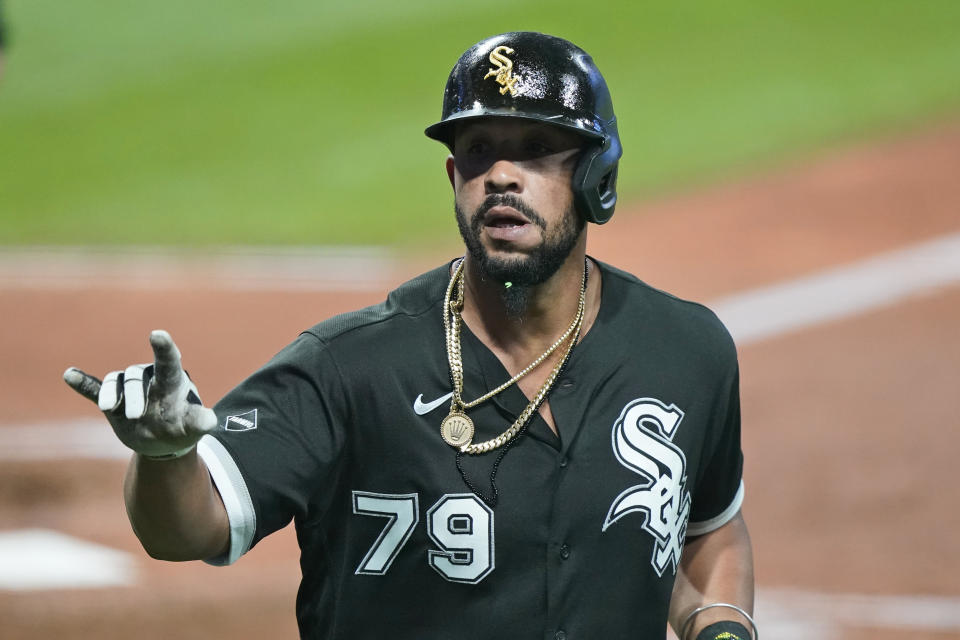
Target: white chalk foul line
277	269
89	438
844	291
793	614
39	559
907	612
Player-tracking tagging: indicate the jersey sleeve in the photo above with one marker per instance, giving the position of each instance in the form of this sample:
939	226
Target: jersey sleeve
719	491
278	443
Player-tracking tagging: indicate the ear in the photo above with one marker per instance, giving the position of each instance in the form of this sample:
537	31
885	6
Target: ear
450	170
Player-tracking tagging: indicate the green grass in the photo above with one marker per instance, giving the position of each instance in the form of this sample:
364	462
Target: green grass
300	122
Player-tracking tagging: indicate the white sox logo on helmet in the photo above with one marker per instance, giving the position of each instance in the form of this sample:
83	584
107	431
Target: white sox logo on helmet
503	74
642	442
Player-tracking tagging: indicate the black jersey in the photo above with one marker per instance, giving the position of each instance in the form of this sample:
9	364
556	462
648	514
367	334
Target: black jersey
341	433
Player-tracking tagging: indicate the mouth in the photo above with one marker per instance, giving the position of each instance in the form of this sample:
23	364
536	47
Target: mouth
504	217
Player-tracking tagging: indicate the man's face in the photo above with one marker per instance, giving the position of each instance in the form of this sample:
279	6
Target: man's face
514	203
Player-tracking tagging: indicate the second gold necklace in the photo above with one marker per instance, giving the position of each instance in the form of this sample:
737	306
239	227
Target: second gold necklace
457	428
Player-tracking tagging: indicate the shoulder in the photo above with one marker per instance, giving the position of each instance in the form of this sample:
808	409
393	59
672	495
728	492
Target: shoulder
365	341
410	302
683	323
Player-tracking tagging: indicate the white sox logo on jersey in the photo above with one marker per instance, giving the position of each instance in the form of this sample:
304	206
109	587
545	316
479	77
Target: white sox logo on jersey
643	443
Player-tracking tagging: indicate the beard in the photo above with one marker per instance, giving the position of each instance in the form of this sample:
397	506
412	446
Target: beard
522	272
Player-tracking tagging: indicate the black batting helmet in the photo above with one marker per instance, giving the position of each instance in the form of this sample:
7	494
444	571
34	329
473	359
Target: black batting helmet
539	77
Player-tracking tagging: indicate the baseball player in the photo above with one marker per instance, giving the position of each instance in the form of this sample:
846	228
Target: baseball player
524	442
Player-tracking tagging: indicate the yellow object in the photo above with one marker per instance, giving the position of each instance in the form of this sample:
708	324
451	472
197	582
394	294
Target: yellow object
504	71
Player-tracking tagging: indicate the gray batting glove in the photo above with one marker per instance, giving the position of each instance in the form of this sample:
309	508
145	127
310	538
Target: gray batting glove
153	408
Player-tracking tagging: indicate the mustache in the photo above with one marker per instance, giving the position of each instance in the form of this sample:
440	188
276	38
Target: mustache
507	200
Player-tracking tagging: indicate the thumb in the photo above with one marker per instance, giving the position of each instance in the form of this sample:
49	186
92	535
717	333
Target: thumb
83	383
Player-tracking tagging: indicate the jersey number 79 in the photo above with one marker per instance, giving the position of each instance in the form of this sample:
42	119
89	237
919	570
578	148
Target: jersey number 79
460	524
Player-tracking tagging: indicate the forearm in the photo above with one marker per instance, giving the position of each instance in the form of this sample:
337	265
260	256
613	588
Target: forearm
174	509
716	567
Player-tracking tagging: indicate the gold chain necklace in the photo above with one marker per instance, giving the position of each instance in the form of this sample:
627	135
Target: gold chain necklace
457	428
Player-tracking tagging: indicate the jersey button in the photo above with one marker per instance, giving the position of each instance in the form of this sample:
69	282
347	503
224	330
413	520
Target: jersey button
563	462
560	635
564	552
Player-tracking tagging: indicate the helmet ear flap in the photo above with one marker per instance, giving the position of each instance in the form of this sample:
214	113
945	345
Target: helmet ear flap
595	181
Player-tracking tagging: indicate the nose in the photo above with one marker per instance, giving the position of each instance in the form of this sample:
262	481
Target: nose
503	176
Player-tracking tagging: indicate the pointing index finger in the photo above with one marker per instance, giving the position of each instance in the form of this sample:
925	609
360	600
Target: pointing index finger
167	370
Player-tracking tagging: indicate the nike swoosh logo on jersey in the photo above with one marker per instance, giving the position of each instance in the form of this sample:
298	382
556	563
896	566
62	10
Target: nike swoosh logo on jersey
423	408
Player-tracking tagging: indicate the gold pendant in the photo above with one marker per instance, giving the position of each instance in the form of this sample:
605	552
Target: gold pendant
457	429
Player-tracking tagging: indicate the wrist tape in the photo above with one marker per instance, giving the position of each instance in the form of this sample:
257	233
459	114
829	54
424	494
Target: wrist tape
725	630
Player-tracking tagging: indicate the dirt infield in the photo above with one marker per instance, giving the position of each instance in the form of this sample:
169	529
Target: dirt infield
850	427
